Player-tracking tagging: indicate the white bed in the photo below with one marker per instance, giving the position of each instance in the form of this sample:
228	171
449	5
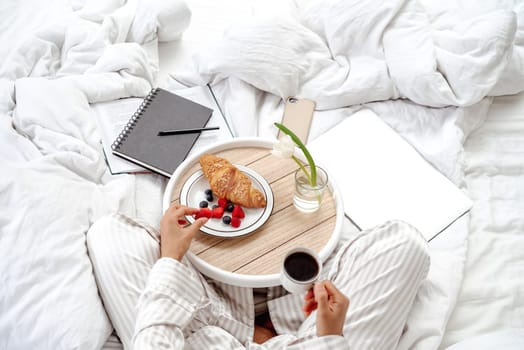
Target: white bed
55	183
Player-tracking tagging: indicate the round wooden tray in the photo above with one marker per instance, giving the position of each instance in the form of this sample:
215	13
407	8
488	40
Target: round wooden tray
255	260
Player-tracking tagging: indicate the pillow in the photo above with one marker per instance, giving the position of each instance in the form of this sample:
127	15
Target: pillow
512	339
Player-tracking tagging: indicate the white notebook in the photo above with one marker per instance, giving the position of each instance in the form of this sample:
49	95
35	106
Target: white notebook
382	177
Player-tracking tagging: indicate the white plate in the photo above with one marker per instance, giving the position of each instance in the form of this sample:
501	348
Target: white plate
193	192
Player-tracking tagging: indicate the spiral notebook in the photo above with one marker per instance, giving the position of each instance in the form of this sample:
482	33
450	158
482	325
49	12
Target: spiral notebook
160	110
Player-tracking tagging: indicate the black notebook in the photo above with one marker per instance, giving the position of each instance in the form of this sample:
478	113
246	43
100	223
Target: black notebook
161	110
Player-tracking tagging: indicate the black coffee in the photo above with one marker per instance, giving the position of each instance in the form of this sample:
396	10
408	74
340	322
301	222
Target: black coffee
301	266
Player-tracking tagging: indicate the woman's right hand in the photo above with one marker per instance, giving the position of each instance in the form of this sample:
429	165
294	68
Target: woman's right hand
331	305
175	235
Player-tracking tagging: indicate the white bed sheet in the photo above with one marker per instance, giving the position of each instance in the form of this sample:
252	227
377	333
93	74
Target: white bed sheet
141	195
492	294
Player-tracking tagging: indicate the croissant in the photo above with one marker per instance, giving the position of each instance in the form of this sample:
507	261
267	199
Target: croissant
227	181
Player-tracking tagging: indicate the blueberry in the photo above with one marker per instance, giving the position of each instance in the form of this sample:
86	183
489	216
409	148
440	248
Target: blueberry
215	206
226	219
203	204
230	207
208	192
209	197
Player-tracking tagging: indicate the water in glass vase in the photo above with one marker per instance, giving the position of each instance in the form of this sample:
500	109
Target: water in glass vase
308	198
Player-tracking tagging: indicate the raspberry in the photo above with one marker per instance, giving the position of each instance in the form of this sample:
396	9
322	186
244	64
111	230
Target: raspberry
238	212
235	222
203	213
218	212
222	202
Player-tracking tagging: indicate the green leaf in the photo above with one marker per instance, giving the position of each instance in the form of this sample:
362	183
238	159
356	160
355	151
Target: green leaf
300	144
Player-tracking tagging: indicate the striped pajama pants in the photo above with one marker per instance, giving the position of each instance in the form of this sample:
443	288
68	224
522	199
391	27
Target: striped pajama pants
380	270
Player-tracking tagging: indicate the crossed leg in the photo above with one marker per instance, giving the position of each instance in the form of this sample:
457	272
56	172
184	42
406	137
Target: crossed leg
380	270
122	253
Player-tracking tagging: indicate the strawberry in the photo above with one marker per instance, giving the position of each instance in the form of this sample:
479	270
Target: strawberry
203	213
222	202
182	222
218	212
235	222
238	212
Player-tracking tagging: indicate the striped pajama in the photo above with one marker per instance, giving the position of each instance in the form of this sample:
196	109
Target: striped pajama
164	304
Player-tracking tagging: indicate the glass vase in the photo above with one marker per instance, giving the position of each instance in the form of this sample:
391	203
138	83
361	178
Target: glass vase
308	198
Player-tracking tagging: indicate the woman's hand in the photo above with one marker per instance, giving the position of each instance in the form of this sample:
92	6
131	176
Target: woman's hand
331	305
175	235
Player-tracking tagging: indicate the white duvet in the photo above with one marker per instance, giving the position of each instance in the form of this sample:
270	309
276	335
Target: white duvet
54	181
57	59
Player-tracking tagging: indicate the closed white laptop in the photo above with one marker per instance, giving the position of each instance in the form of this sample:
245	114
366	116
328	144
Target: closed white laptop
382	177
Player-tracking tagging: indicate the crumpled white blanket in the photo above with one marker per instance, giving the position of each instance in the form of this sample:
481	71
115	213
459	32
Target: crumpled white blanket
447	58
54	181
57	58
341	53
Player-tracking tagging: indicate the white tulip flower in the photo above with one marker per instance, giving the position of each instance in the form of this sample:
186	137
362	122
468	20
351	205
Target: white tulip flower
284	148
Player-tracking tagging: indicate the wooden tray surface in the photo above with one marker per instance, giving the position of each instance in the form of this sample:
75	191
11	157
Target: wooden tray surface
262	251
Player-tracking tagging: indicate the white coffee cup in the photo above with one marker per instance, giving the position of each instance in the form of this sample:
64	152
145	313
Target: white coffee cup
300	269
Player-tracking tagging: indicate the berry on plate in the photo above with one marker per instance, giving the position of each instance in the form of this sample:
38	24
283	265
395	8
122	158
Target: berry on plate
238	212
204	213
222	202
218	212
229	207
235	222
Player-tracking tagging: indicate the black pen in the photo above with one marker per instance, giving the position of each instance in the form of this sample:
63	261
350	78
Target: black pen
186	131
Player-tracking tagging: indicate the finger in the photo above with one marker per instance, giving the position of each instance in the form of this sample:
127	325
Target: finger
333	291
176	211
190	211
309	307
182	211
309	304
330	288
174	206
192	229
309	295
199	223
321	295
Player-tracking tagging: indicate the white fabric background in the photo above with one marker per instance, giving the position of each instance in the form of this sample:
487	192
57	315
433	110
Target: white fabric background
57	58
